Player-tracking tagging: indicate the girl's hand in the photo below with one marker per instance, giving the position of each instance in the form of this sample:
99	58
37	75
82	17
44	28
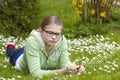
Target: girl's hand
71	71
72	68
81	69
66	71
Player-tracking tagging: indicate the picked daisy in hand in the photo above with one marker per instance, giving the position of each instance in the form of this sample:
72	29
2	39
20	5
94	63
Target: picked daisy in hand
73	66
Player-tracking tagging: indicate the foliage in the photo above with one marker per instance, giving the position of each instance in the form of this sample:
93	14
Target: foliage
86	30
19	16
115	18
97	10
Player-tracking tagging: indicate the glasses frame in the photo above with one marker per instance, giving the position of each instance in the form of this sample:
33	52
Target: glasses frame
50	33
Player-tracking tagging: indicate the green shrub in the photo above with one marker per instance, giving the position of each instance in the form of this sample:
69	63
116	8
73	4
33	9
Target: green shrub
86	30
115	18
19	16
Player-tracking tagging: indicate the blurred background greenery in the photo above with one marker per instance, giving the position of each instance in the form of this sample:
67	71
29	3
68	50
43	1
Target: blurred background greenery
19	17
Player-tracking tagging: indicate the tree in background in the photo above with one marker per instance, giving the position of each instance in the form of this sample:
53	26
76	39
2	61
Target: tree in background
93	11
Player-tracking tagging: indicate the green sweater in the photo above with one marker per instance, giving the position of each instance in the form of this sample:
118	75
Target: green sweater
37	62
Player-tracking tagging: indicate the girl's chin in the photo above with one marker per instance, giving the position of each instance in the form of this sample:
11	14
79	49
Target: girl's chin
52	44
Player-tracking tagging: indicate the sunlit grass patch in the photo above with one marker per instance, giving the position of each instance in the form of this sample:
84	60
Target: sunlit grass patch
99	55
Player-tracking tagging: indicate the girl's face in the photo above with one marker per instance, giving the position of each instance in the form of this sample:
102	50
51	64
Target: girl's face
51	34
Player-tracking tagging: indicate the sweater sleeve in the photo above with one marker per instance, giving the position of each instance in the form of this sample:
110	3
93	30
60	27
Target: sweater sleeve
33	59
64	58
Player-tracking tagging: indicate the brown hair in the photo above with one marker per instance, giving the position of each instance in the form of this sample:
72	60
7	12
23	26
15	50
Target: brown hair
51	20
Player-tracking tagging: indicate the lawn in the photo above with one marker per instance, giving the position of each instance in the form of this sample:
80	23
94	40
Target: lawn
99	54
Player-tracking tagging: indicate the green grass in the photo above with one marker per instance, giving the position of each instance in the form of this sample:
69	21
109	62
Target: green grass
8	72
64	10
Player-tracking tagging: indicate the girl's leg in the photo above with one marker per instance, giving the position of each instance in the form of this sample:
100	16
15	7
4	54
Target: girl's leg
17	53
13	54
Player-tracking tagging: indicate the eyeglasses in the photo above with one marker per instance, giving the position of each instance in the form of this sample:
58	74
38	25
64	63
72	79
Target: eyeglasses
50	33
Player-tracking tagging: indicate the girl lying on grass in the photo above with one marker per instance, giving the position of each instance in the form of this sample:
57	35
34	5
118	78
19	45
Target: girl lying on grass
45	51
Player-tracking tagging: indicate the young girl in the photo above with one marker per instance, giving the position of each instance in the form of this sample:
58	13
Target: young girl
45	51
